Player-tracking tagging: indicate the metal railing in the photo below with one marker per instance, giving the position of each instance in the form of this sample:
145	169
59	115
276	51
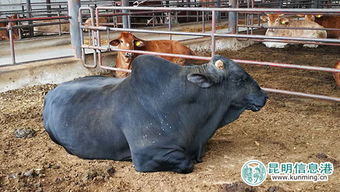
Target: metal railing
98	48
10	27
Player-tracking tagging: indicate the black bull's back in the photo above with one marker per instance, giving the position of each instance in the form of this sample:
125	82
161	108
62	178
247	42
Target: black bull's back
161	116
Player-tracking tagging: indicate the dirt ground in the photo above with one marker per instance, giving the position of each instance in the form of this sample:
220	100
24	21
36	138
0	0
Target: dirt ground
287	129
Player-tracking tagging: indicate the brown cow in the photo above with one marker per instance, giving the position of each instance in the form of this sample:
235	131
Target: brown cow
127	40
4	33
327	21
337	75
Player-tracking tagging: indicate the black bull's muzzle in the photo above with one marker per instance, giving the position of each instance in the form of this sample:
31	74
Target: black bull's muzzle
256	102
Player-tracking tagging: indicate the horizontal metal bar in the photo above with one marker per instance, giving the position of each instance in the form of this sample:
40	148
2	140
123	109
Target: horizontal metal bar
144	31
115	69
323	97
294	28
296	42
282	65
286	65
278	38
34	19
33	11
34	25
243	10
215	34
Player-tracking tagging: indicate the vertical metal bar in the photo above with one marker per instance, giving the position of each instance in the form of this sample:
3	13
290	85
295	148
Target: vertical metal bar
82	38
59	26
125	3
48	7
29	15
203	22
99	43
93	37
213	30
108	37
232	21
246	15
73	6
252	17
218	4
11	41
170	27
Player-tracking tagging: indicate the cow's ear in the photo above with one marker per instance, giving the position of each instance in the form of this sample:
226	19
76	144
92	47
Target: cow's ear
199	79
284	21
114	42
139	43
309	17
264	18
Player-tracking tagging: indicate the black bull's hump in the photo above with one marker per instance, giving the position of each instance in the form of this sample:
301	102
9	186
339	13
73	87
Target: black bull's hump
160	117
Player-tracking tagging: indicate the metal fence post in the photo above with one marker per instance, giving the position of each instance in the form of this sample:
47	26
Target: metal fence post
11	41
73	6
125	3
218	14
213	31
29	15
316	4
232	20
48	7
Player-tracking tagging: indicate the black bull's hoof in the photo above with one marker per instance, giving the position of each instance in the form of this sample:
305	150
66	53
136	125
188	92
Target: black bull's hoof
160	117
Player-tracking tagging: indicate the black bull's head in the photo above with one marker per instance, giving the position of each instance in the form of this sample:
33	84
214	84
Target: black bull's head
240	88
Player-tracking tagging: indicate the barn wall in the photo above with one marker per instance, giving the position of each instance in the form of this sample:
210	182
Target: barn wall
8	8
46	72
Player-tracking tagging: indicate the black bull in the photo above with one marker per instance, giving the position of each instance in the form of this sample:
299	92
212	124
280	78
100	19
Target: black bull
161	116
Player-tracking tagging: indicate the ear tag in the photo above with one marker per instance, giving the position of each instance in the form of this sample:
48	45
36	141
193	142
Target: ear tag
318	16
139	43
283	22
219	64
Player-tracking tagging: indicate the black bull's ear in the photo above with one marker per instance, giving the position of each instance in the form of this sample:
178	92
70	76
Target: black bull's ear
200	79
214	74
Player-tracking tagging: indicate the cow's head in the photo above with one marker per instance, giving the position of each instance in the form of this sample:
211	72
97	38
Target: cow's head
275	20
237	86
127	40
15	31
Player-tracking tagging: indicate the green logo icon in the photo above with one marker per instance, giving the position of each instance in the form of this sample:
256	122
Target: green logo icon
253	173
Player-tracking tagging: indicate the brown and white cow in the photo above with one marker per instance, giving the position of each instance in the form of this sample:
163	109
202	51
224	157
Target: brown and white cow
277	20
4	33
327	21
127	40
337	75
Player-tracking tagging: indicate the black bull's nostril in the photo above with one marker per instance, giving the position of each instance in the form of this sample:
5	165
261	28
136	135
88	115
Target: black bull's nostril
256	102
